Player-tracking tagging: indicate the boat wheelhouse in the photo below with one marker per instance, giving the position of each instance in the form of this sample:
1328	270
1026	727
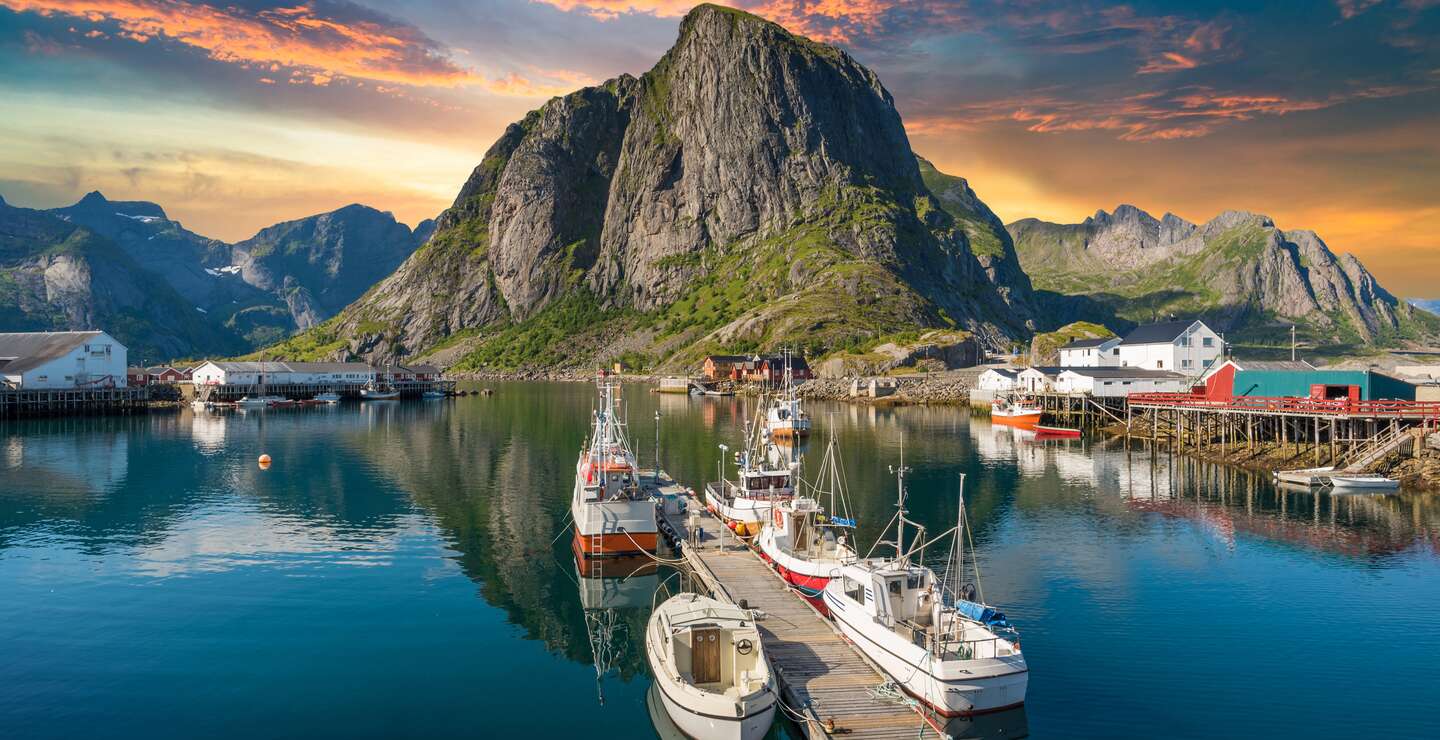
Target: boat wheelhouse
765	477
1015	413
806	543
613	512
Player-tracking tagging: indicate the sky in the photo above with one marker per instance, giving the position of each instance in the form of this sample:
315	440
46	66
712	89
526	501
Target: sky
238	114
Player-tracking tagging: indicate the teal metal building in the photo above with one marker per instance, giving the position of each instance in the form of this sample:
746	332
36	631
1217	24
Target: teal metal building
1356	385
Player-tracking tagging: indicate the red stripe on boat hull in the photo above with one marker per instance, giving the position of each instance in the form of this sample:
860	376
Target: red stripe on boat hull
616	543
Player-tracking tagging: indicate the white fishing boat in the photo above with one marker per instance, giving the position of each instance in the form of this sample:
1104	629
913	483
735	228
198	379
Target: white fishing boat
764	477
1357	482
613	513
786	418
380	389
804	542
328	397
432	395
710	668
956	655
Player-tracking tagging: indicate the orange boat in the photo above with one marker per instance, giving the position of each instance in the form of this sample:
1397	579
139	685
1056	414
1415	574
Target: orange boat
1014	413
612	510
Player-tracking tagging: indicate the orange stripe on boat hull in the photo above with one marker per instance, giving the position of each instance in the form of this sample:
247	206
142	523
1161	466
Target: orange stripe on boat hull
616	543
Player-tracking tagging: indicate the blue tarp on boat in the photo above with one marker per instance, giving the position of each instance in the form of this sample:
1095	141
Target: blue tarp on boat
986	615
842	521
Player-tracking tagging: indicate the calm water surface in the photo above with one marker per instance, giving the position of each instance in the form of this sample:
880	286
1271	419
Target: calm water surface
397	572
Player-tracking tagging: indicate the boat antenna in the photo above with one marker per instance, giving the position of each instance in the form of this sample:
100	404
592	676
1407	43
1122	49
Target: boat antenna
900	502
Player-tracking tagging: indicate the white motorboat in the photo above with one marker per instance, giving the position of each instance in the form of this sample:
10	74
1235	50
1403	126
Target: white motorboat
765	477
957	656
379	393
803	542
786	419
613	513
432	395
1359	482
256	402
710	668
328	397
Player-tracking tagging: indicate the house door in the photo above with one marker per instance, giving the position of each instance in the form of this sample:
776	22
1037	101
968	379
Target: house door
705	655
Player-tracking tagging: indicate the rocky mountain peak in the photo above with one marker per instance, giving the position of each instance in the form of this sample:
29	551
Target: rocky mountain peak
753	187
96	205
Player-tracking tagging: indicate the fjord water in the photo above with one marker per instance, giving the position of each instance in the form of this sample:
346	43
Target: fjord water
401	571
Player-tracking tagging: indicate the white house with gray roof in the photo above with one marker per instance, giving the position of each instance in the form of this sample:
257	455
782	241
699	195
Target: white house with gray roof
69	360
1101	352
1186	347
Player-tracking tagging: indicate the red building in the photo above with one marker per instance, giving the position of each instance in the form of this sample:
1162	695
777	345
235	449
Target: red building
136	377
165	374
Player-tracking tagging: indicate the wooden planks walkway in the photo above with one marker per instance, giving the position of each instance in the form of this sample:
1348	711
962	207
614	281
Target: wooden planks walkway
819	670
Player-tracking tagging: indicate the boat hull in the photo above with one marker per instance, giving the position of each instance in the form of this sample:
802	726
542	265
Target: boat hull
616	544
744	522
1017	420
708	727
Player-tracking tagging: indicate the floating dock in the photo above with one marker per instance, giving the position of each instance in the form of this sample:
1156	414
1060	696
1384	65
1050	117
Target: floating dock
822	676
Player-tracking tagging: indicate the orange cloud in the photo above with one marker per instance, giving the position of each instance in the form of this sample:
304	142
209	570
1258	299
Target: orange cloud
301	37
833	21
1168	61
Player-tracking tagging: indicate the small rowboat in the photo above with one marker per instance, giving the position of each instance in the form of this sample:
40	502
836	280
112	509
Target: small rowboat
710	669
1364	482
1045	431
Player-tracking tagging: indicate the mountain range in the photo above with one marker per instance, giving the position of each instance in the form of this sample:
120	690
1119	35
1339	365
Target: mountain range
168	292
753	190
1244	275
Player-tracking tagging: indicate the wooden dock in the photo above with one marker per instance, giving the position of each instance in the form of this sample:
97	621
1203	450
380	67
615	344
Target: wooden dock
821	675
16	402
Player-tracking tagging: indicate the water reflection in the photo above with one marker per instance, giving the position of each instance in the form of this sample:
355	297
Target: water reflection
401	512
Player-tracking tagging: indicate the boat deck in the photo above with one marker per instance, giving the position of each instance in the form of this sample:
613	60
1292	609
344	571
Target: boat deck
821	674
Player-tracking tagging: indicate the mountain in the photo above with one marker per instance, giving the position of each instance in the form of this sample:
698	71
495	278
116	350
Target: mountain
287	277
320	264
1240	272
57	275
753	189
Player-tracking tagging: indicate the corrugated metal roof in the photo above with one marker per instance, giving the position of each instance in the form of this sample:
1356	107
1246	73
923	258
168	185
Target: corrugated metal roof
1007	372
328	367
27	350
1125	372
1161	333
1047	370
1273	365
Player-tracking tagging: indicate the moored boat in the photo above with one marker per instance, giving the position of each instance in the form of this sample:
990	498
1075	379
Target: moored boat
1305	476
613	513
432	395
955	655
764	478
710	668
806	544
1048	431
1015	413
379	393
328	397
785	419
1357	482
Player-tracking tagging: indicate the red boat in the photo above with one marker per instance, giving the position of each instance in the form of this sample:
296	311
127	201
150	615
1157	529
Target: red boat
1045	431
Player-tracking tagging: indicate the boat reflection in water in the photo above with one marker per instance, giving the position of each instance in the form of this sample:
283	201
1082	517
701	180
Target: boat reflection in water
1010	723
613	593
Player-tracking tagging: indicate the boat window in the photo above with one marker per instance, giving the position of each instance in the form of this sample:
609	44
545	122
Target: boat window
913	582
855	590
894	585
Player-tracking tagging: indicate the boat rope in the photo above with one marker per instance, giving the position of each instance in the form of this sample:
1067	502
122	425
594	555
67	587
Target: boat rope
651	555
564	527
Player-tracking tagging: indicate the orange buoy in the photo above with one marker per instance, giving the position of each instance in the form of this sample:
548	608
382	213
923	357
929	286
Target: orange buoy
264	461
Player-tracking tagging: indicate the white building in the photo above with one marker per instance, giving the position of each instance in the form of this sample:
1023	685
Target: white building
283	373
61	359
1114	382
1102	352
1186	347
1000	379
1037	379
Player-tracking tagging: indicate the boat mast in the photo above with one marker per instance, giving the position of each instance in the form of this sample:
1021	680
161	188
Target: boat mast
900	505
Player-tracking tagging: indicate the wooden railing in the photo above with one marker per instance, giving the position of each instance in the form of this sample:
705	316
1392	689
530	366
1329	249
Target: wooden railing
1285	405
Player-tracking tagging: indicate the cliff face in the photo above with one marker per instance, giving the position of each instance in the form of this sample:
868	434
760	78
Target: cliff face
754	188
1238	270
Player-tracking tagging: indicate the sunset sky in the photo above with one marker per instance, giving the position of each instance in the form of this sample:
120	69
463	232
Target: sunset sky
238	114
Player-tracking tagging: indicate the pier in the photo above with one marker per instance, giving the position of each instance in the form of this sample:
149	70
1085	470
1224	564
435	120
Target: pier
55	401
302	391
821	675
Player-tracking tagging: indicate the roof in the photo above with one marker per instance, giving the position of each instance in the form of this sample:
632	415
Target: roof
1049	371
1273	365
1005	371
423	369
1161	333
157	369
796	362
1083	343
22	351
1125	372
246	367
326	367
727	358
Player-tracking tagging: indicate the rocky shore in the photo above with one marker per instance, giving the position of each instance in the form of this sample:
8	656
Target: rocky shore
937	389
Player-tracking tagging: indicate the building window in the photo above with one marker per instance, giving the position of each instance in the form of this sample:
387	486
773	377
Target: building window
1160	364
1115	352
1207	342
1184	363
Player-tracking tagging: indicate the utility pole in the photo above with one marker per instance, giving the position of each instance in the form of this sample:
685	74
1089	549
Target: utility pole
1292	342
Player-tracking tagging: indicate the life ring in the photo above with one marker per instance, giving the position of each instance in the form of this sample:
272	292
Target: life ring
744	646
